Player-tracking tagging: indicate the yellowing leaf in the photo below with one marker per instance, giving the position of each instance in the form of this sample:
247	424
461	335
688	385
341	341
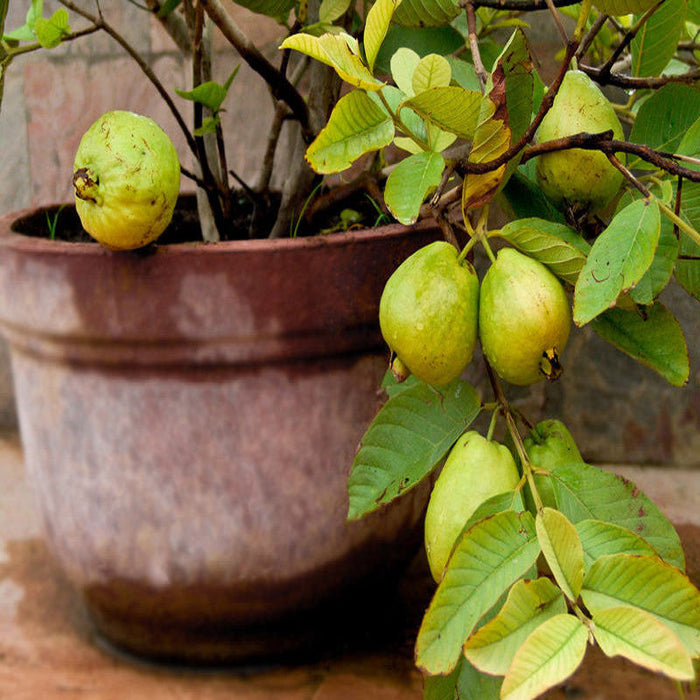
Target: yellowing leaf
451	108
548	656
492	647
641	638
432	71
562	549
376	26
356	126
487	560
651	585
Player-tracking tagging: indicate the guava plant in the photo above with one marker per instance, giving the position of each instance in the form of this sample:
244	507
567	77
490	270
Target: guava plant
533	564
444	115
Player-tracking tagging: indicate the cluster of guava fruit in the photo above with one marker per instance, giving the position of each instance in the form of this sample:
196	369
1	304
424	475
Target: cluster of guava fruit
434	310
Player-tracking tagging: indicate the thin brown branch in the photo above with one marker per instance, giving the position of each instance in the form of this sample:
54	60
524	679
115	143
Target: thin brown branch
626	41
474	45
628	175
518	5
100	23
557	21
465	166
627	81
280	86
590	36
605	143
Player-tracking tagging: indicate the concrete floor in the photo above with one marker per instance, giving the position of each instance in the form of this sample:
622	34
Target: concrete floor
48	649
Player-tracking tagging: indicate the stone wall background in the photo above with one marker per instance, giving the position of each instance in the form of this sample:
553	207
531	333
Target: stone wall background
618	410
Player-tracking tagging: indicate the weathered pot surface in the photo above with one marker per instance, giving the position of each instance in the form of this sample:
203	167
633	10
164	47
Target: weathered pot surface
189	418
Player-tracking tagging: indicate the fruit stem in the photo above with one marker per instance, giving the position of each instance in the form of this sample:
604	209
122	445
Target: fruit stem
492	424
528	471
682	225
465	251
487	248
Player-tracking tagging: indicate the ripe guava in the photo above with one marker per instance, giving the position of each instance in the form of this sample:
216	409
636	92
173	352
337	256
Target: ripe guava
550	445
583	179
475	470
428	313
524	319
126	177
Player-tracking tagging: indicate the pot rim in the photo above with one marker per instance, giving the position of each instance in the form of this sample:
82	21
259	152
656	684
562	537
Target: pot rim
13	239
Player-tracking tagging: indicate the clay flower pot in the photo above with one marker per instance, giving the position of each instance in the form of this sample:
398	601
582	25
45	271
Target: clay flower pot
189	418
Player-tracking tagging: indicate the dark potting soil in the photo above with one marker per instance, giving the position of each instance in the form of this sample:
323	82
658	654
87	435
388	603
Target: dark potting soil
184	226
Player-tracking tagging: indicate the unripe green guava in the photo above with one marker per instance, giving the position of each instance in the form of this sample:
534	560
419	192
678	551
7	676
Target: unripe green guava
524	319
428	313
475	470
550	445
126	177
583	179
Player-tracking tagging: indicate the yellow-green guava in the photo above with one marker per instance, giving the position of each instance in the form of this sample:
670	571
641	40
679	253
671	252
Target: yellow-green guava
524	319
549	445
475	470
428	313
126	177
583	179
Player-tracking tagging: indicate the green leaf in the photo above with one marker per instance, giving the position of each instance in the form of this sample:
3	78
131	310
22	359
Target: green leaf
649	584
356	126
522	197
26	31
491	649
409	436
209	125
443	40
640	637
410	182
432	71
562	549
623	7
331	10
549	656
618	259
376	26
599	539
660	271
451	108
664	119
403	64
426	13
210	94
488	559
167	7
655	43
50	32
278	9
463	683
652	336
555	245
584	492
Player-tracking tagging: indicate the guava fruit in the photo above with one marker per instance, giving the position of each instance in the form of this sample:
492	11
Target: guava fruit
576	177
475	470
524	319
126	177
549	445
428	313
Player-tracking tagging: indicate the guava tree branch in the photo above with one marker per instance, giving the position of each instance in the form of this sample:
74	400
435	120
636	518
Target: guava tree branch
100	23
627	81
464	167
281	87
518	5
605	143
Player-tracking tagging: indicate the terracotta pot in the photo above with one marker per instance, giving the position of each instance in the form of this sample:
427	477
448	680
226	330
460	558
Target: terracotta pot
189	418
